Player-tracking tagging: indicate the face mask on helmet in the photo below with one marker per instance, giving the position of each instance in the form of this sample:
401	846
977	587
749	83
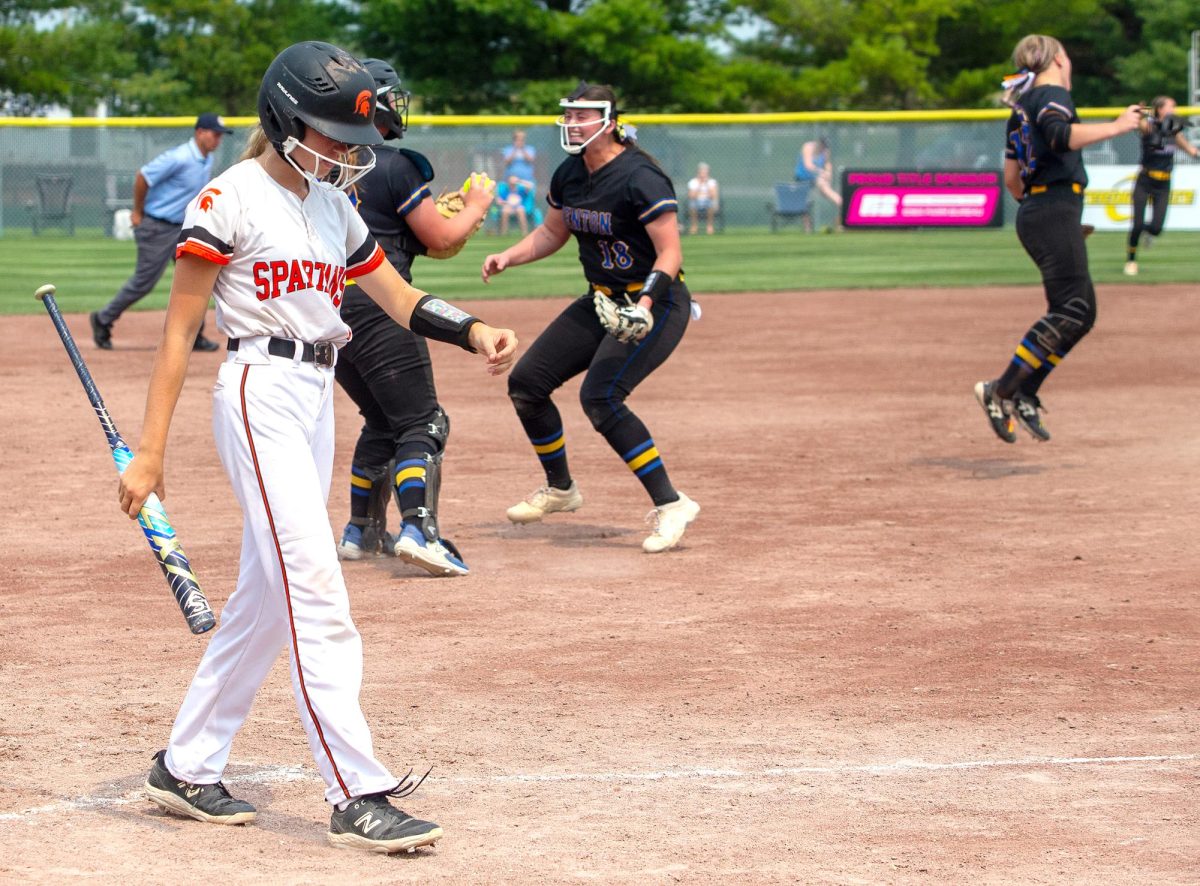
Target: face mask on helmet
391	110
342	172
391	100
564	138
314	85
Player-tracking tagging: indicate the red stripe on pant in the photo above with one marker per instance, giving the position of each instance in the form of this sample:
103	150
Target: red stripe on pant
287	595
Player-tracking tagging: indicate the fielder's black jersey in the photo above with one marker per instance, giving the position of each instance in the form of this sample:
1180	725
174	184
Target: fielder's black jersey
1158	151
1039	136
608	212
386	195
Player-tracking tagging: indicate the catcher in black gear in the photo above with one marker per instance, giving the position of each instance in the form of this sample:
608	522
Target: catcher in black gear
385	368
621	208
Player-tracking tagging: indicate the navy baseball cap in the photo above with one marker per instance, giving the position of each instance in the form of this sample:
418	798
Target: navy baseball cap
213	122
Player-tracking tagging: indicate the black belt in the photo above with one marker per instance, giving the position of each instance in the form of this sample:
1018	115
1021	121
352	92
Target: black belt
322	353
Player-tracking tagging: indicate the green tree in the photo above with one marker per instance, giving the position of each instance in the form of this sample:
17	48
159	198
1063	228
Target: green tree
156	57
521	56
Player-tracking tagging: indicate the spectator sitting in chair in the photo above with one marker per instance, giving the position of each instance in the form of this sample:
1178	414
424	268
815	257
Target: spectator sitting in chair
703	196
514	196
815	166
518	160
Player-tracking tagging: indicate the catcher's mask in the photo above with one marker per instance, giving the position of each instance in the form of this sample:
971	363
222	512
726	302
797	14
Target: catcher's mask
574	102
391	100
319	86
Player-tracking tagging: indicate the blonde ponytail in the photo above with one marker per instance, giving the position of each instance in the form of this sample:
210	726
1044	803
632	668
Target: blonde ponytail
256	143
1034	54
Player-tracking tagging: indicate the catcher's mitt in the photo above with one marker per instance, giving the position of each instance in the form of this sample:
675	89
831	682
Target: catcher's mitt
450	204
627	323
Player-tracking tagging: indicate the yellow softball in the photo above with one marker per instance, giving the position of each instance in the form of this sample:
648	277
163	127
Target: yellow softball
487	180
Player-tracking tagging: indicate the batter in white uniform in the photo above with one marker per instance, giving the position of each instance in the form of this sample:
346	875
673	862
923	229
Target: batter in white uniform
274	239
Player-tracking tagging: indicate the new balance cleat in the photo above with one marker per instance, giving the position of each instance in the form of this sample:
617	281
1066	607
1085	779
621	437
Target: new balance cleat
351	546
373	824
1028	410
999	412
358	543
203	802
435	557
670	520
1131	269
547	500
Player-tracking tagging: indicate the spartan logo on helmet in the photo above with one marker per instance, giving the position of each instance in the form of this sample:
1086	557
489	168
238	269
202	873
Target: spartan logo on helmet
317	85
391	101
362	104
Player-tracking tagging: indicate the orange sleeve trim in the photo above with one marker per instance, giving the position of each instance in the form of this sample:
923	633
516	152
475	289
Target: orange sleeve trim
200	250
369	265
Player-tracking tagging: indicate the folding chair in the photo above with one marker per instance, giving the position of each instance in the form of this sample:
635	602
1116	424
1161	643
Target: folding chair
793	200
54	203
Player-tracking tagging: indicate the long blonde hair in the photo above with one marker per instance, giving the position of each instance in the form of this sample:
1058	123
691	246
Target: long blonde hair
256	143
1032	55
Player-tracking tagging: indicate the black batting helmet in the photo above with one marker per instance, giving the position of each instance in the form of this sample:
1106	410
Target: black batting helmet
319	85
391	101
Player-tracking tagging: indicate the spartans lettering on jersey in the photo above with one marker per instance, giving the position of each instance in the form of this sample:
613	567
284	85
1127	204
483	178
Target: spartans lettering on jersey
587	220
276	278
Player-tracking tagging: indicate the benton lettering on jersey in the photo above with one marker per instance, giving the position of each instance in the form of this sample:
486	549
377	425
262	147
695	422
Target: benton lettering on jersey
588	220
275	278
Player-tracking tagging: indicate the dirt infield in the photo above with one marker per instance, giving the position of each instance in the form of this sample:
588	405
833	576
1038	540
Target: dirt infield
892	649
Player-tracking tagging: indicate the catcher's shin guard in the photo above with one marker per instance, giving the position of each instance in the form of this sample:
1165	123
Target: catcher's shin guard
375	537
435	431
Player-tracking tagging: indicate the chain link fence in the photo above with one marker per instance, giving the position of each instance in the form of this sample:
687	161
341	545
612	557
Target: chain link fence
97	160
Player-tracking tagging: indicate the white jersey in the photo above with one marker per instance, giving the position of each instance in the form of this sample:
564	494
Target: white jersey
284	261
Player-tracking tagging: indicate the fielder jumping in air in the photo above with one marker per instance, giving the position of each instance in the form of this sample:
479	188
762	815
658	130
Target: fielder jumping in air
385	368
1043	170
621	208
273	239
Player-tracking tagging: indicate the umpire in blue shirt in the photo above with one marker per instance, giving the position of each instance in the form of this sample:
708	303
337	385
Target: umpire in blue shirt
162	190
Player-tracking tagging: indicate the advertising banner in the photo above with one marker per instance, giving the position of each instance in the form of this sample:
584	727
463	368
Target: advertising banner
894	198
1108	200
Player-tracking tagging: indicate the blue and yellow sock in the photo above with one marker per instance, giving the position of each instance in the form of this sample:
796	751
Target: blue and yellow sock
552	453
409	481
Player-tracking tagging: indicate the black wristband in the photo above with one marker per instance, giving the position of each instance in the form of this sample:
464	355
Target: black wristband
656	284
441	321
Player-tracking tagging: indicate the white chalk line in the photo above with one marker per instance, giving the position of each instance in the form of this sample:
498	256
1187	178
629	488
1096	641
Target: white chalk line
286	774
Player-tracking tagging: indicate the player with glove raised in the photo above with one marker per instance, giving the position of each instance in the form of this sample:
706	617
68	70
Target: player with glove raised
385	368
621	208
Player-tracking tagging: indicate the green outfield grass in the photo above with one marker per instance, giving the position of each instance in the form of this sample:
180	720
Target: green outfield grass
88	268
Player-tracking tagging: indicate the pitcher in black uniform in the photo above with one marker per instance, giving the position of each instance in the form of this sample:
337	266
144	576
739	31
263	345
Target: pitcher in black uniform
1043	170
621	207
1162	134
385	368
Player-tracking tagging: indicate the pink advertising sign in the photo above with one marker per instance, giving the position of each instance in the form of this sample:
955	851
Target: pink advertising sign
905	199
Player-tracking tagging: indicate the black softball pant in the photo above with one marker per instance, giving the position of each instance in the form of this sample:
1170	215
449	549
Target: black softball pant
1049	227
1158	194
387	373
575	342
